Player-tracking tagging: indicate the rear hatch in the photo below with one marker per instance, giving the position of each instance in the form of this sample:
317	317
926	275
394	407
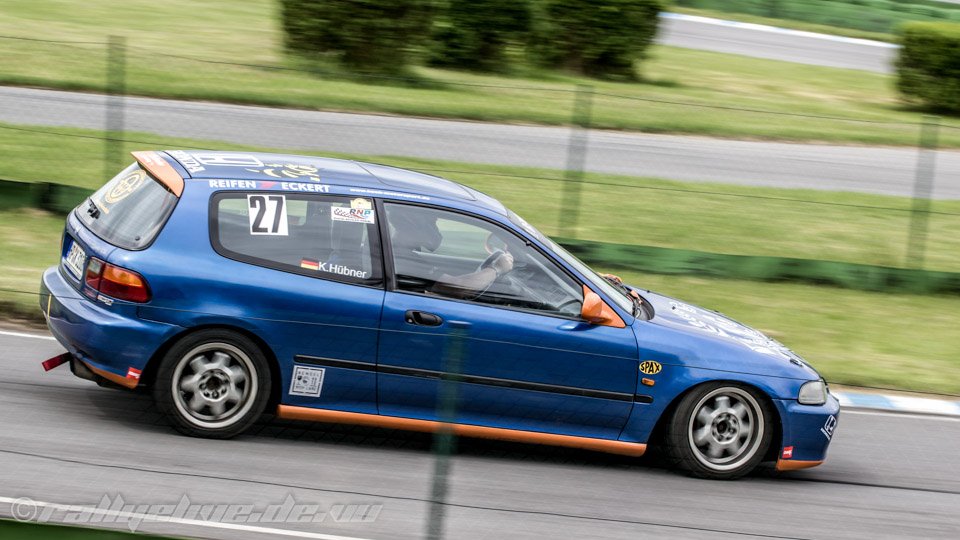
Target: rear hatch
126	213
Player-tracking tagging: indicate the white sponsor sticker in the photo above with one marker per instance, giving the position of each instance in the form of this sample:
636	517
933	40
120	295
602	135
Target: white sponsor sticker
307	381
829	426
223	184
353	215
268	214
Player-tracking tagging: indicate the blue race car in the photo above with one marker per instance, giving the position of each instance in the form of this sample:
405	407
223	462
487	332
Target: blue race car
336	291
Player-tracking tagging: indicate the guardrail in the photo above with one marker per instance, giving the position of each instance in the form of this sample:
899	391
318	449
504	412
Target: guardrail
60	199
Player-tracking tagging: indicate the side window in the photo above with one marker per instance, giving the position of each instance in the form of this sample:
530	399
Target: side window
444	253
315	235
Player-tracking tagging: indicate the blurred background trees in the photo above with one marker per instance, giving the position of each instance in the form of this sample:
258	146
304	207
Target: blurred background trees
365	35
928	68
599	38
474	34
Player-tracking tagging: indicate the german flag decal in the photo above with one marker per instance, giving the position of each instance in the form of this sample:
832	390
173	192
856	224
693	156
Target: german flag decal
310	264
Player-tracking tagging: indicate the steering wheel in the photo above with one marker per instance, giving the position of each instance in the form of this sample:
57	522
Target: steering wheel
492	258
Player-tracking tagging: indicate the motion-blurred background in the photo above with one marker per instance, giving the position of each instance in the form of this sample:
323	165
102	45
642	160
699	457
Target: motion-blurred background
801	178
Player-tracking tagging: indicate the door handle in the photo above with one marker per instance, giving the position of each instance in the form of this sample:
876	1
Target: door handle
422	318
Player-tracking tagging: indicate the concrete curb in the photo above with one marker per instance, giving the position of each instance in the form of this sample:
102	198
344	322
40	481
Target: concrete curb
898	403
777	30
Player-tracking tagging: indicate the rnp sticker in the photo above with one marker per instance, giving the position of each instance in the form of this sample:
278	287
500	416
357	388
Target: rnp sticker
307	381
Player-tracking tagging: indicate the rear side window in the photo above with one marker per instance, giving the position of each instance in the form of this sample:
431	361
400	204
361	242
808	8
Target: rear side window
129	210
321	236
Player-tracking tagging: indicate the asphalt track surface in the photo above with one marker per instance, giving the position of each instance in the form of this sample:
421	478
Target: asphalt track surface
889	171
777	44
66	441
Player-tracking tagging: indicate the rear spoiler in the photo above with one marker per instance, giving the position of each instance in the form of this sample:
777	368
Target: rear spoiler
163	172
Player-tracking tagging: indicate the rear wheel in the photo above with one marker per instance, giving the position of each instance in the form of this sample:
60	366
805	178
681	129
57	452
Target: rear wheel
214	383
720	431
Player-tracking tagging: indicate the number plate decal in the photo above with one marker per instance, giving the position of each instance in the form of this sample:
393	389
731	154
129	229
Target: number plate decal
75	259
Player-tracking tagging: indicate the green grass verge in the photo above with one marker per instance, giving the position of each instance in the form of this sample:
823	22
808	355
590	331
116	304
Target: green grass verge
15	530
717	218
853	337
165	38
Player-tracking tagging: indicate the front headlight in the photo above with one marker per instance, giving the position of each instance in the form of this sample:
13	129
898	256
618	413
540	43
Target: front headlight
813	393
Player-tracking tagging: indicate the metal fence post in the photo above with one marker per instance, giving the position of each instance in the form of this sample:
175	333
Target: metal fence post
444	441
113	159
576	161
923	191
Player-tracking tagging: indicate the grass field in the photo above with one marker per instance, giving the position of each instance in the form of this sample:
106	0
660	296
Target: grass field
903	341
167	41
900	341
14	530
707	217
880	16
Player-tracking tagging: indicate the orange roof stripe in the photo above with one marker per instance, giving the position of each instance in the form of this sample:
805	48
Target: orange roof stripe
158	168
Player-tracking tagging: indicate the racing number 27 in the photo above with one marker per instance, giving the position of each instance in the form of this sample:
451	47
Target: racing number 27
268	214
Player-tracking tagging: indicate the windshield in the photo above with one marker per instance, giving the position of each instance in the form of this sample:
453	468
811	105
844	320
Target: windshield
620	296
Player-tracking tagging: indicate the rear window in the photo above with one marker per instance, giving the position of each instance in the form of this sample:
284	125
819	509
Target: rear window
320	236
129	210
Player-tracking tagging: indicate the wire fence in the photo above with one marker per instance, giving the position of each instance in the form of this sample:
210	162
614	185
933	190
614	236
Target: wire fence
607	171
608	154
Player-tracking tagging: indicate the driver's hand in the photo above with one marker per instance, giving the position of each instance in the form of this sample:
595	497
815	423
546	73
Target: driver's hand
611	277
503	264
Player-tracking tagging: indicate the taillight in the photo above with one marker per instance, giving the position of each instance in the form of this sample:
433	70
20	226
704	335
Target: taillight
116	282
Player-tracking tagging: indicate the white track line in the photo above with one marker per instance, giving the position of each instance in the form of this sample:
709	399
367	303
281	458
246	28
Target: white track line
846	411
19	334
150	518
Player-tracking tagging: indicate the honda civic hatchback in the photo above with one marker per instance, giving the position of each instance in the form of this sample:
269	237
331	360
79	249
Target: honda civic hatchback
229	284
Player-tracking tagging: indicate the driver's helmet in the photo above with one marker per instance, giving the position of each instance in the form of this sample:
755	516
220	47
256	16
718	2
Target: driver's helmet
416	231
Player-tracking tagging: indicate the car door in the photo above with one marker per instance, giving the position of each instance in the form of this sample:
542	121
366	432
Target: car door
305	271
527	360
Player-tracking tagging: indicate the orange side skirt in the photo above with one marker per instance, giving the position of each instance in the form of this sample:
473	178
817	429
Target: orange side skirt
480	432
113	377
790	465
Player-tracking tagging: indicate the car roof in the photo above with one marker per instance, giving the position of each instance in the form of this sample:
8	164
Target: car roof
296	168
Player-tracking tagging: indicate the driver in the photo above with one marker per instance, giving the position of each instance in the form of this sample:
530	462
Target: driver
416	232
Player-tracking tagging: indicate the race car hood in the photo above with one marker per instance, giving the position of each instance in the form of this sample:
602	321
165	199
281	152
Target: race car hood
719	342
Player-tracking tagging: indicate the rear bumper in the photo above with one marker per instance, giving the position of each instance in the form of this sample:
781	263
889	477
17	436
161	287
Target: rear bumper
111	341
807	433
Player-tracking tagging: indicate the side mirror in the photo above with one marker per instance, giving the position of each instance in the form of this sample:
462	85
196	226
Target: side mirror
592	310
596	311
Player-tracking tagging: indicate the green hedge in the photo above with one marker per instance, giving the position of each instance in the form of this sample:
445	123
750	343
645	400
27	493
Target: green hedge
474	34
864	277
928	68
365	35
600	38
56	198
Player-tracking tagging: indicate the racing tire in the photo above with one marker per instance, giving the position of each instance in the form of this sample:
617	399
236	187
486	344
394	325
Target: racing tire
213	383
719	431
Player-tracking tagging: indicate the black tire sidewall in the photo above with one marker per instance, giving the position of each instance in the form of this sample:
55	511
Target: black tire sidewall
163	391
677	442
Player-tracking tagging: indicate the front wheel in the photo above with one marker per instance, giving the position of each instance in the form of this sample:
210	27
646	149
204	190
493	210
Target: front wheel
214	383
720	431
